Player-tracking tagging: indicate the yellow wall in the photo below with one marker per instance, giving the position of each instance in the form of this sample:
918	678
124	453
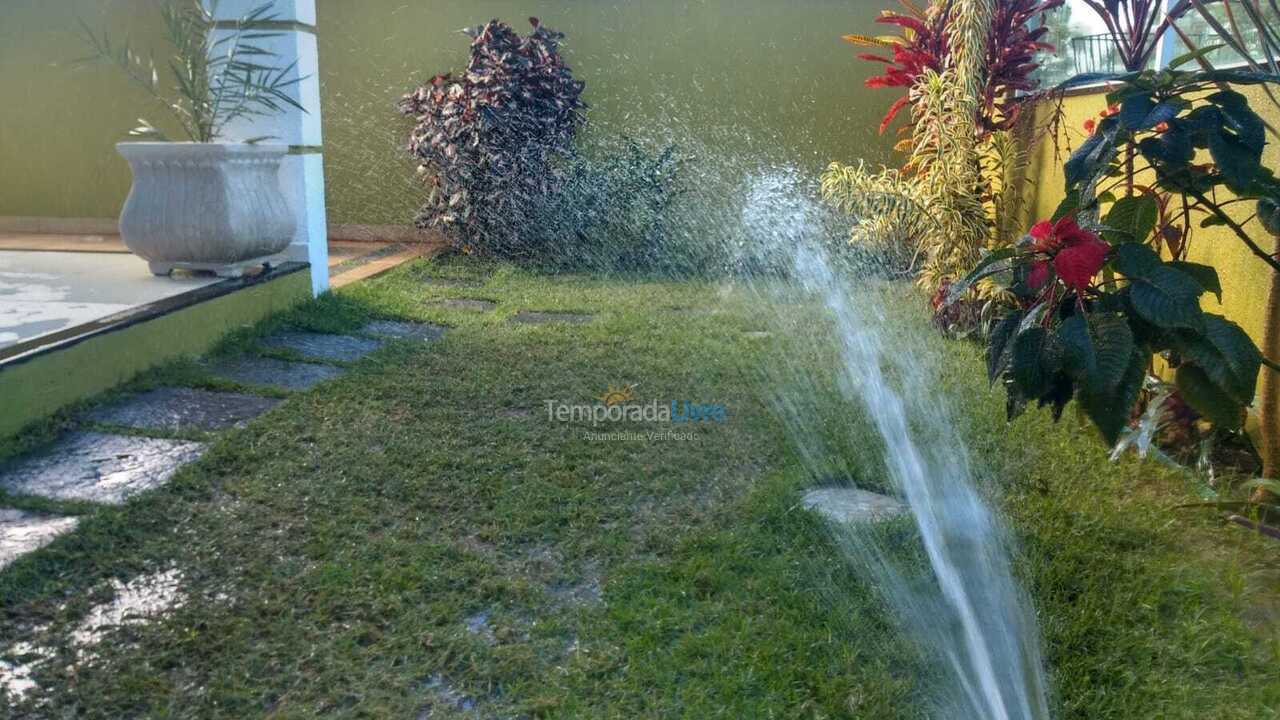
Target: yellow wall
1244	276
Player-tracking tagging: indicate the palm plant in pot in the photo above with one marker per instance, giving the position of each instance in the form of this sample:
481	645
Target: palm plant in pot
206	204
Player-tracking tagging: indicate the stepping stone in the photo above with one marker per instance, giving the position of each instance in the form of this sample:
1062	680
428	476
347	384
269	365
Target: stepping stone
470	304
448	282
478	624
21	532
404	330
756	334
849	505
534	317
98	467
177	409
272	372
321	346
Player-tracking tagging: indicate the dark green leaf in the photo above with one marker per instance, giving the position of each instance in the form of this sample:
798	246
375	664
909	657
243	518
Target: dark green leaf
1110	410
1113	344
1227	98
1134	111
1136	260
1237	349
1207	398
1093	156
1069	204
1163	111
1080	359
998	346
1205	275
1268	209
1246	124
1206	118
1238	76
1187	57
1034	360
1059	394
1159	294
1237	162
1169	299
1096	78
1131	219
986	266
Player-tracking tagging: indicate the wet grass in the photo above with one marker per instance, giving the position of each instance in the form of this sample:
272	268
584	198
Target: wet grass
417	539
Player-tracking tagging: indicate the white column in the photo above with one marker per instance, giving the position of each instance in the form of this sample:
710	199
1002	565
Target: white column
302	175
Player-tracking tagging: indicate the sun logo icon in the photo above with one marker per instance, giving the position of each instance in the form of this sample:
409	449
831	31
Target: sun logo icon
617	395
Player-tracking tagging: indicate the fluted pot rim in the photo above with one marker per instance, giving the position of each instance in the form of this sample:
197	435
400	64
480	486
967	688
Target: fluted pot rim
153	148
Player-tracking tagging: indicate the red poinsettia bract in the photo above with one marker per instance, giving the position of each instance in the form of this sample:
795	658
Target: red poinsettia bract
1077	254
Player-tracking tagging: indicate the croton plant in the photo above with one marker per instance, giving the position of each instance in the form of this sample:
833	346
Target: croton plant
1015	38
1103	287
492	137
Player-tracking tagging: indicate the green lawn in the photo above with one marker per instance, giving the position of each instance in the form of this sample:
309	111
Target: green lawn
417	539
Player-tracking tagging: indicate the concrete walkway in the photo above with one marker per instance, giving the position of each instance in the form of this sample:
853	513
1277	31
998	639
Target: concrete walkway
126	447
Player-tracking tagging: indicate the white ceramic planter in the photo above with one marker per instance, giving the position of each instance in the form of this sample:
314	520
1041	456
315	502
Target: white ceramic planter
206	206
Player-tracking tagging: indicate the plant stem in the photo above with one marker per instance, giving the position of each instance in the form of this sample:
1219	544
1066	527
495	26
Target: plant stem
1269	411
1236	228
1263	529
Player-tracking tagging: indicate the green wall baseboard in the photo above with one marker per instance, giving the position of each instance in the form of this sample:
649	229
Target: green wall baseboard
35	388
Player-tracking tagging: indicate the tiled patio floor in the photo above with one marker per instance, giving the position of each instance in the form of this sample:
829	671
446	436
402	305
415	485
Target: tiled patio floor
44	292
51	283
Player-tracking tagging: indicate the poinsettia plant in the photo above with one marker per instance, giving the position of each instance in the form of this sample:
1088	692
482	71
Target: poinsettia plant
1076	335
1103	287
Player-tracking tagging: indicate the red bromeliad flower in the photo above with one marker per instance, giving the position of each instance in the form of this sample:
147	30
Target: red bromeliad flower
1077	254
924	45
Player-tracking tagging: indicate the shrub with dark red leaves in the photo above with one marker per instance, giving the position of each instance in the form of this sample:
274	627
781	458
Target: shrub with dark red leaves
490	140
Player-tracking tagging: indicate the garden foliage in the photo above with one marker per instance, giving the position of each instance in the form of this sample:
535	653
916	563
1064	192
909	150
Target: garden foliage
492	138
217	78
961	63
498	148
612	213
925	44
1077	335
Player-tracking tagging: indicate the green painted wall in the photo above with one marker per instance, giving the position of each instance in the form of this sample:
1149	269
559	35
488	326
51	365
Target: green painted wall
58	124
750	80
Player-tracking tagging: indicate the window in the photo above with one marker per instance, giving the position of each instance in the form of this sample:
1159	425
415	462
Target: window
1202	35
1083	43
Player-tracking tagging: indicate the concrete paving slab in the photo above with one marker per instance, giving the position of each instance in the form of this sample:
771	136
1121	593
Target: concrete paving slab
851	505
178	409
273	372
322	346
22	532
471	304
402	330
535	317
98	467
